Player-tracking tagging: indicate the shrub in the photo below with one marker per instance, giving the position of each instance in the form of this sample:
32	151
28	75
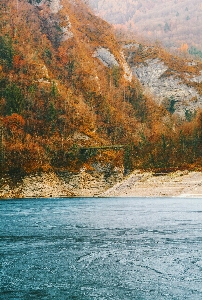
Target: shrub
6	51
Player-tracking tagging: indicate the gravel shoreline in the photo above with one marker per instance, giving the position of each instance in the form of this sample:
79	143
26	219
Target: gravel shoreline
176	184
138	184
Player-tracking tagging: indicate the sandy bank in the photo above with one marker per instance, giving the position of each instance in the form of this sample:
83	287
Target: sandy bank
177	184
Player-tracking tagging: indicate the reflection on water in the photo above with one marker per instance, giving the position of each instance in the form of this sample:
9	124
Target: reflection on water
145	249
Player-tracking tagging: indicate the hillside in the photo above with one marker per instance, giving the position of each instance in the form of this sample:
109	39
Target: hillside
69	100
174	82
63	85
176	23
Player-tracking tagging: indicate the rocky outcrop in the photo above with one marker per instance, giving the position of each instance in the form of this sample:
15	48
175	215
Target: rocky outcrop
128	75
106	57
162	81
97	184
197	79
63	184
53	21
55	6
151	75
109	60
66	30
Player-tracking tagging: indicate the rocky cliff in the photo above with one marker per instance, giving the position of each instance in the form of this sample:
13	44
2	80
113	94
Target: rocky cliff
60	184
166	77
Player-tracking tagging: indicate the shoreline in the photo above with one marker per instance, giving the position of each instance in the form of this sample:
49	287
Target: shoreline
187	184
58	185
182	184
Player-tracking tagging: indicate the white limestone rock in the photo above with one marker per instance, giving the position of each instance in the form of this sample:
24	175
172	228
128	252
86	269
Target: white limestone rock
197	79
106	57
66	30
163	87
128	75
55	6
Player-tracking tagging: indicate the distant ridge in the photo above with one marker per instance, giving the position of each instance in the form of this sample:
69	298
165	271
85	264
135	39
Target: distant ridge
174	22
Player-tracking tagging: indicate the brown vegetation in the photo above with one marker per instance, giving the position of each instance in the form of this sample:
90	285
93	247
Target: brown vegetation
56	98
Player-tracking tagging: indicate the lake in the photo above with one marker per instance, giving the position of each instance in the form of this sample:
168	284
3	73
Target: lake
94	248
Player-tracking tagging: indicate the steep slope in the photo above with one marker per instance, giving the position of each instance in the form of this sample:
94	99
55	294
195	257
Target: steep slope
65	86
174	22
173	81
69	101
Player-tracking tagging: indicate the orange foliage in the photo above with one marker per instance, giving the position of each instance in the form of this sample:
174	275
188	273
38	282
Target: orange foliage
18	62
184	47
69	98
14	122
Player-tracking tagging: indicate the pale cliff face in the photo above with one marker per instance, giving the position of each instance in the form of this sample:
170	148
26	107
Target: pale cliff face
106	57
55	6
164	81
150	75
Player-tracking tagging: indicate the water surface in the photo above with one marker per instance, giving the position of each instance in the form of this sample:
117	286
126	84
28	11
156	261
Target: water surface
115	248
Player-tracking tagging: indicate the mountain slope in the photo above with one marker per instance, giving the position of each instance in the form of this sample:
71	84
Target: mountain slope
64	85
171	80
69	101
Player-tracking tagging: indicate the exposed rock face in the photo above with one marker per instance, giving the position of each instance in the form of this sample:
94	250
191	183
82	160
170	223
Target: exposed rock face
80	136
84	184
106	57
197	79
150	75
66	30
128	73
155	76
109	60
55	6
